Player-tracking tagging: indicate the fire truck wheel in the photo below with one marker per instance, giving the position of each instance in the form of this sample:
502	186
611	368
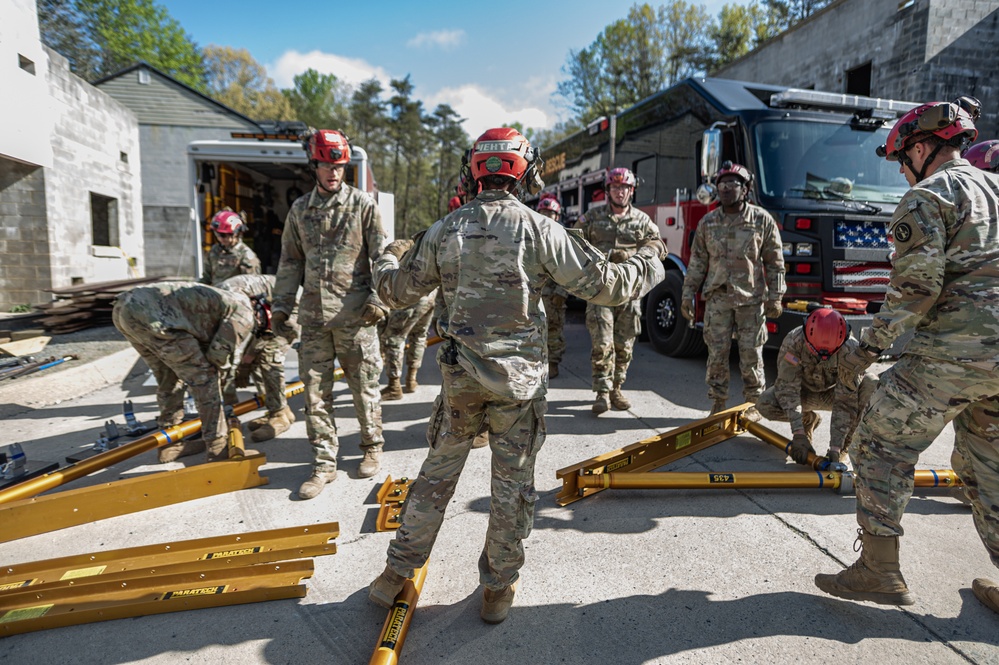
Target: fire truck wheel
668	330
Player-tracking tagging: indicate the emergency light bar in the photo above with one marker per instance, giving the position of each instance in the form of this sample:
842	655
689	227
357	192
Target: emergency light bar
832	100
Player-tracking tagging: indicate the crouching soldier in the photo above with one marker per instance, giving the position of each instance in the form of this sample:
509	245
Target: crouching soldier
264	358
404	336
192	334
808	381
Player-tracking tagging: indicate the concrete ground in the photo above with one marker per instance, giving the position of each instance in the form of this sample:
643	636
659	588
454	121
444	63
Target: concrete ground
621	577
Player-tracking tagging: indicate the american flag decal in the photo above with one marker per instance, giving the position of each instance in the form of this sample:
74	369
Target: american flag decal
860	235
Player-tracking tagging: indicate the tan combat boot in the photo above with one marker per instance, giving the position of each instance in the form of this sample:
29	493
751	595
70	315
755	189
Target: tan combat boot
481	439
386	587
371	463
601	403
410	386
552	370
496	604
218	449
277	424
313	487
987	592
618	400
874	577
392	391
717	406
175	451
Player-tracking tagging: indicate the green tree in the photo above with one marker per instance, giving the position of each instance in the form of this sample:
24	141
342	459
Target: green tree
407	134
319	100
740	28
685	33
61	28
786	13
235	79
451	142
128	31
369	122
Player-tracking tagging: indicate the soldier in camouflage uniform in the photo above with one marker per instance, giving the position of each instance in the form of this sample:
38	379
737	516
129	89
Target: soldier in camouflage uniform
944	285
615	229
330	237
737	263
405	334
808	382
192	334
229	256
490	259
264	359
554	297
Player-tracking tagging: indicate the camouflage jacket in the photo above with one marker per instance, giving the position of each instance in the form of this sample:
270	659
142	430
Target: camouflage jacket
222	263
491	259
221	321
327	247
799	369
255	285
607	231
945	269
733	255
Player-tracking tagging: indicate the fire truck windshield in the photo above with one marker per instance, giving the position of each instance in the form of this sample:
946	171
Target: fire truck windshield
825	161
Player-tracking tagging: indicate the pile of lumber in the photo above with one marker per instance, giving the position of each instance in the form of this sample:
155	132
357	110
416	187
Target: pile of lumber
83	306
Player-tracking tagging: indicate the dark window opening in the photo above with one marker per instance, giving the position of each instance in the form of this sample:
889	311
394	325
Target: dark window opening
645	171
858	80
104	220
26	64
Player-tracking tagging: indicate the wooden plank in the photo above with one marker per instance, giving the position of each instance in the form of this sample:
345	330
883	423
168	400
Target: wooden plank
25	347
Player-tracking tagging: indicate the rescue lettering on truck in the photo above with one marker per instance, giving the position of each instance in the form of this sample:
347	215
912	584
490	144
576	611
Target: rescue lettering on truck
813	155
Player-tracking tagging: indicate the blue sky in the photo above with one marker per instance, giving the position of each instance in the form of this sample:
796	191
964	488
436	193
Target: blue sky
495	63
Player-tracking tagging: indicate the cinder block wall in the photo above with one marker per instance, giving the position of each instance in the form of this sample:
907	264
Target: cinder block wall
932	49
24	244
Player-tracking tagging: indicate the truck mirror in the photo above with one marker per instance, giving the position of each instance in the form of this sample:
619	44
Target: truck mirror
707	194
711	146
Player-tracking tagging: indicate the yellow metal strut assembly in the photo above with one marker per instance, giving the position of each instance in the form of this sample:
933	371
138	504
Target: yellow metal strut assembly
628	467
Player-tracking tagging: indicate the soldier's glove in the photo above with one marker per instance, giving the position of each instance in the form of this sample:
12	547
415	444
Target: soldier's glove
658	246
220	356
800	447
687	308
398	247
371	314
853	365
243	375
773	309
617	256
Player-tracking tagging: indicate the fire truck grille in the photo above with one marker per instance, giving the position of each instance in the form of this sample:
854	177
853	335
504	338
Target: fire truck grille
860	235
861	275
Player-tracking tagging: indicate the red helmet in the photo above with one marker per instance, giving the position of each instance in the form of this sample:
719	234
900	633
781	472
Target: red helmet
738	170
825	332
227	222
984	155
328	145
501	151
454	203
261	315
619	176
549	203
954	122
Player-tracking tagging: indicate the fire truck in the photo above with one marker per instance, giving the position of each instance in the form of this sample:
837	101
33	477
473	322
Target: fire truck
261	174
816	172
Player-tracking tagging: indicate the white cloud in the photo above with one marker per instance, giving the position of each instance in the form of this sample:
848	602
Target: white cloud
347	70
445	39
484	111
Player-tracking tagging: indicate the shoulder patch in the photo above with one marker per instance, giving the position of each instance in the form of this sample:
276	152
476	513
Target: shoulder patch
791	358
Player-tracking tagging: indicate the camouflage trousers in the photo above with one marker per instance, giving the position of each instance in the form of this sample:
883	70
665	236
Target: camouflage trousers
516	434
612	333
264	361
405	334
357	350
843	422
721	319
915	400
555	311
176	358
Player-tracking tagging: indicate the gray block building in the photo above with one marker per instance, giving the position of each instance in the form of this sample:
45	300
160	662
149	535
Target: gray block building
70	189
912	50
171	115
